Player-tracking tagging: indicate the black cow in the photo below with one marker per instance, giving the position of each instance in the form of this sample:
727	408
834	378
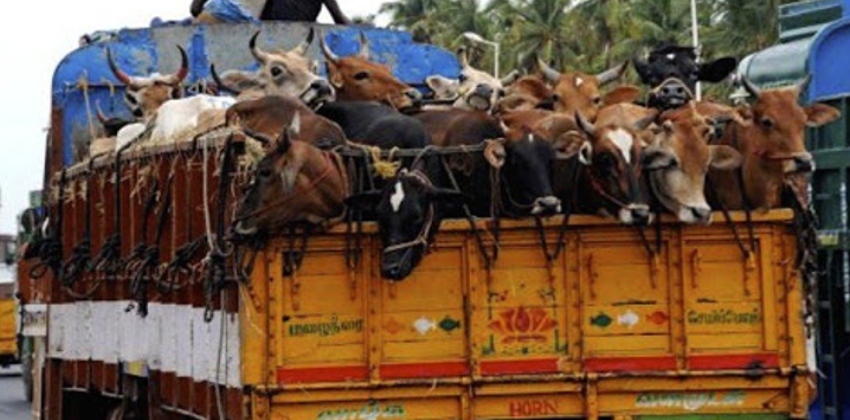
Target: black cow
672	72
376	124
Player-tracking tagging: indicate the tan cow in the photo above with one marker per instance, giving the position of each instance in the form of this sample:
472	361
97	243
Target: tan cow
677	159
580	92
772	144
144	95
357	78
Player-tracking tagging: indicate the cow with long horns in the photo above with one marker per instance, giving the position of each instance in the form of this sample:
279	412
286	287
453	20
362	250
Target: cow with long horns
473	89
580	92
144	95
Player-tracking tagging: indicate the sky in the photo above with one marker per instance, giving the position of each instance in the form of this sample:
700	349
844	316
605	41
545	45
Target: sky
33	41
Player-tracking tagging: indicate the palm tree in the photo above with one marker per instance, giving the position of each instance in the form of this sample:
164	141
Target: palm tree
422	18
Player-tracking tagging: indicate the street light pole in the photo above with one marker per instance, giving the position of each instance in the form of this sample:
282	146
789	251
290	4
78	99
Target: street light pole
472	36
695	36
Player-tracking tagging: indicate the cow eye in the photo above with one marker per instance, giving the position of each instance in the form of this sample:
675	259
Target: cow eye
607	161
361	75
276	71
767	123
462	78
264	173
597	100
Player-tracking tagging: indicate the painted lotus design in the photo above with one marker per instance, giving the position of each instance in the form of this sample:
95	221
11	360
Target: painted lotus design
521	325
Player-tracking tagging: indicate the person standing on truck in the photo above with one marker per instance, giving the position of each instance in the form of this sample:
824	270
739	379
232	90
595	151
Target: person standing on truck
213	11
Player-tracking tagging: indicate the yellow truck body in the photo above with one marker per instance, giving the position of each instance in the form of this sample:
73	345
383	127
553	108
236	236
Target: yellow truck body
615	326
8	330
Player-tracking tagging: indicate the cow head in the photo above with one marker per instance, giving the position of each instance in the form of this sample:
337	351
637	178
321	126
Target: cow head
284	73
525	166
772	141
612	167
357	78
527	93
672	72
580	92
408	215
144	95
473	89
678	159
294	182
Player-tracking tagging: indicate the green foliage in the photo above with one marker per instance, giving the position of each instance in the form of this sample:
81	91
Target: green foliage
590	35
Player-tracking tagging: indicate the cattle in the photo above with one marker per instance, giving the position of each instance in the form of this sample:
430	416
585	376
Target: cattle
522	162
473	89
526	93
357	78
580	92
677	159
672	73
269	115
376	124
608	182
294	182
772	143
144	95
285	73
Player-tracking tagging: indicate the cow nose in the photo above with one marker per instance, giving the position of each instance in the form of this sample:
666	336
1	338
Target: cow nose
640	216
804	164
484	90
322	88
415	95
546	206
702	214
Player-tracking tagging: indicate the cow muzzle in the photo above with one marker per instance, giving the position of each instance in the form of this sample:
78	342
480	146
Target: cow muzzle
546	206
802	164
319	93
481	98
636	214
243	229
671	94
695	214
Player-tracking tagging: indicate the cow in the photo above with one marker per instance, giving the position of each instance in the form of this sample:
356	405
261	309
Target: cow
580	92
608	182
672	72
294	182
772	143
285	73
376	124
357	78
678	157
269	115
522	162
473	89
526	93
144	95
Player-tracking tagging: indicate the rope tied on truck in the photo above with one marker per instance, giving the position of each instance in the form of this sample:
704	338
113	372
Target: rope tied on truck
50	249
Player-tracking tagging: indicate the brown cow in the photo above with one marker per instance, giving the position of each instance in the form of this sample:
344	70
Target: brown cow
295	182
677	159
144	95
269	115
285	73
580	92
526	93
357	78
772	144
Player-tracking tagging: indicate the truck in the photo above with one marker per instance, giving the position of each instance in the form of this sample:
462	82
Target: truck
8	304
578	317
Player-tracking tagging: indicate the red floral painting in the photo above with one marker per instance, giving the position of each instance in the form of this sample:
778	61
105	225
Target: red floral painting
521	325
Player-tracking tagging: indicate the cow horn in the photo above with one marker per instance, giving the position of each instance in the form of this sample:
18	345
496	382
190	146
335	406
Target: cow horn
261	56
611	74
100	115
122	77
222	85
552	75
365	49
803	85
329	55
463	57
179	75
752	89
302	48
511	77
585	125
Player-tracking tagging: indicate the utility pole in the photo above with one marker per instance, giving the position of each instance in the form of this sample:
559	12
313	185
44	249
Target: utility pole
695	35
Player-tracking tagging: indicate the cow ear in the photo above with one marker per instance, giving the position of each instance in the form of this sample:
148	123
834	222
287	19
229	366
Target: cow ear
621	94
725	158
717	70
495	153
585	153
364	201
642	69
654	158
820	114
334	75
442	87
568	144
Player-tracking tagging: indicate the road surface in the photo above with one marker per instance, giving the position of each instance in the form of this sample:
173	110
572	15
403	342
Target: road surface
13	405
